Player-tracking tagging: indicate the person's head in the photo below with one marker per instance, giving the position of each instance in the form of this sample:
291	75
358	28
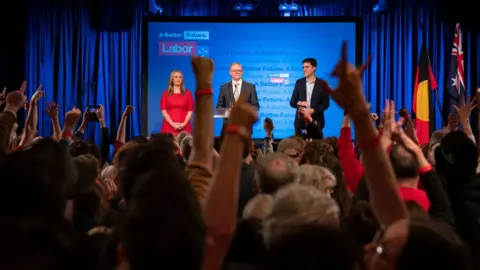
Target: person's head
176	80
316	150
35	182
274	171
309	66
434	142
164	226
236	71
332	141
457	155
403	162
159	150
431	246
181	135
81	147
296	205
314	247
291	147
258	207
318	177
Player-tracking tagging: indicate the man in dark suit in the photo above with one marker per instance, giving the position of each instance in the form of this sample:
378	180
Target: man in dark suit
310	101
230	91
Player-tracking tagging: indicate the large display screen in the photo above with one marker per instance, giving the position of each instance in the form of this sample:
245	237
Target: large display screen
271	54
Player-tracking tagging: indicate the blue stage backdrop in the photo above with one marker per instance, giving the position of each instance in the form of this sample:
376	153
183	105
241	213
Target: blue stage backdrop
271	55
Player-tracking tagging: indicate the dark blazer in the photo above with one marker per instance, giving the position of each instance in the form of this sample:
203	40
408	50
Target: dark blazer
226	98
319	103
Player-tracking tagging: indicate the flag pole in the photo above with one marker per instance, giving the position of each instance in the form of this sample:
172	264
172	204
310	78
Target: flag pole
437	97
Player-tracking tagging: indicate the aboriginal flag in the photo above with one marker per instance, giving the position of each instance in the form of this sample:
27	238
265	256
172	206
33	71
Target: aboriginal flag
423	95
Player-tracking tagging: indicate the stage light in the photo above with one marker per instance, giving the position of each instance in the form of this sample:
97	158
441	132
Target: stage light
287	7
243	8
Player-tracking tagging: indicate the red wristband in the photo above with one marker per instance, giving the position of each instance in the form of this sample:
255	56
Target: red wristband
67	134
204	92
372	143
238	130
425	169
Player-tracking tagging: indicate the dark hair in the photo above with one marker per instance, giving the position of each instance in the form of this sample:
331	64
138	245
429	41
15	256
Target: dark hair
311	61
159	150
35	181
316	150
333	141
80	147
403	163
315	247
36	244
164	226
431	246
456	155
140	139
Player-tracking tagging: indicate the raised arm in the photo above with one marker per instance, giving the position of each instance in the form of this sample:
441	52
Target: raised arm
123	124
385	197
222	201
199	168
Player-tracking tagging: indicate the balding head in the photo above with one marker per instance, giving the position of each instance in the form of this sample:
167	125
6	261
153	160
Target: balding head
274	171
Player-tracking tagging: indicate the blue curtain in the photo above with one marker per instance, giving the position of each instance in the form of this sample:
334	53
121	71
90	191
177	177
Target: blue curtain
80	66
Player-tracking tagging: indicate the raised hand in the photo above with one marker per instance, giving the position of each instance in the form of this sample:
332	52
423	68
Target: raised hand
203	70
100	112
52	110
349	93
72	116
128	110
16	100
466	107
38	94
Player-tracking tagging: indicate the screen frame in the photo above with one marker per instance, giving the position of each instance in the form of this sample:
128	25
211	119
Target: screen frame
155	18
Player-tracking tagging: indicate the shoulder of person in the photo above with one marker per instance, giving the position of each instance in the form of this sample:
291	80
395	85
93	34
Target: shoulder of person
225	85
248	83
302	80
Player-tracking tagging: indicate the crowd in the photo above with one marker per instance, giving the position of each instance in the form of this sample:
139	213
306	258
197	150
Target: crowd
183	202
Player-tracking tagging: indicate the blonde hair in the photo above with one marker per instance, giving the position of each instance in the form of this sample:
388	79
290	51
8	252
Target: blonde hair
170	82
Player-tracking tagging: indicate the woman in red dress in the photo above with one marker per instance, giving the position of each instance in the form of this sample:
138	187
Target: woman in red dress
176	106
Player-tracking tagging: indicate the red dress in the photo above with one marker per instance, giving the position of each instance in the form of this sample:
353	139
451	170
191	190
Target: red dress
177	107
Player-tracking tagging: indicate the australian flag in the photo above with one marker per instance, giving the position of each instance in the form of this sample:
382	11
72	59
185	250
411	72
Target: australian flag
455	85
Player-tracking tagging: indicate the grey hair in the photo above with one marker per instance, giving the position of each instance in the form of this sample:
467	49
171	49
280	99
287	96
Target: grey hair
258	207
235	63
186	145
274	171
316	176
296	205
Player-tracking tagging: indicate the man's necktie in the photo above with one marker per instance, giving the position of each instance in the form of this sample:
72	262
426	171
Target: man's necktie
235	89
